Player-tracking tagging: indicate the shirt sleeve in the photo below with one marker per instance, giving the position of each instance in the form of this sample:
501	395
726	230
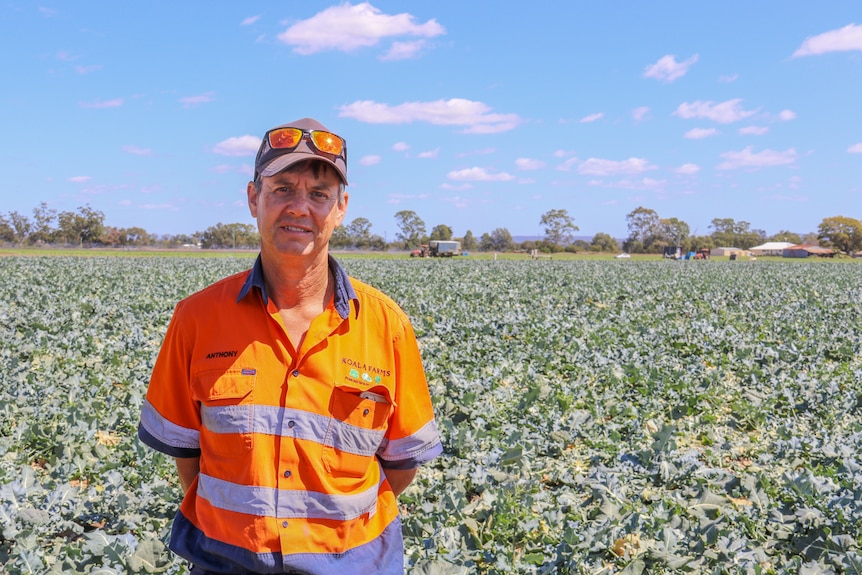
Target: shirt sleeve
412	438
170	418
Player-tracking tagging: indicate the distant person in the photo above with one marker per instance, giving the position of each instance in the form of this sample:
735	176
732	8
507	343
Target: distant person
292	396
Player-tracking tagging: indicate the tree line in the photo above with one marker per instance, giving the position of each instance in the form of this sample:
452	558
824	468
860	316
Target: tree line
647	233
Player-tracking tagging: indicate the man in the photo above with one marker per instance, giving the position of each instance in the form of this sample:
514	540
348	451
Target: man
292	396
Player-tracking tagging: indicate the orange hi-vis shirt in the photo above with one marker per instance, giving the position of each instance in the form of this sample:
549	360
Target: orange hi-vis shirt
292	443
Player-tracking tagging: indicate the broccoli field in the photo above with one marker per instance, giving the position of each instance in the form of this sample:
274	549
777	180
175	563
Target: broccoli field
597	416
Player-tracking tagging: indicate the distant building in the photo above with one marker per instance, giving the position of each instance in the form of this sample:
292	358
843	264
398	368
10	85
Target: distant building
805	250
770	249
718	252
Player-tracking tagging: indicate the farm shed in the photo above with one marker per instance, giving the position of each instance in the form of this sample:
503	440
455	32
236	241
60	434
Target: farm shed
805	250
770	249
726	252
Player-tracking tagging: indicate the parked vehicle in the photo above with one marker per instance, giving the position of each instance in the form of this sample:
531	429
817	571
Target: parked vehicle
437	249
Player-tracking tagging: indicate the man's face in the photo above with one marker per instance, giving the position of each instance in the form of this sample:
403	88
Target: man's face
297	211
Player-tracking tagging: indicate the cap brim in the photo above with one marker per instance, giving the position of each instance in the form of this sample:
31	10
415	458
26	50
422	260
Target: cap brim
285	161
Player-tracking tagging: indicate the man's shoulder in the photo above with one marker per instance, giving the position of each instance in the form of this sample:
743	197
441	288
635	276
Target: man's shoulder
224	290
371	297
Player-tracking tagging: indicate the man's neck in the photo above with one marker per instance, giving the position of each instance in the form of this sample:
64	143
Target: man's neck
292	283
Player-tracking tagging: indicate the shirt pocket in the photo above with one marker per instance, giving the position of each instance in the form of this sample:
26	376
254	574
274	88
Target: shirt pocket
227	410
357	425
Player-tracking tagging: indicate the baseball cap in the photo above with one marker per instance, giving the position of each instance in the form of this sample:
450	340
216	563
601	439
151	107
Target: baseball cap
272	160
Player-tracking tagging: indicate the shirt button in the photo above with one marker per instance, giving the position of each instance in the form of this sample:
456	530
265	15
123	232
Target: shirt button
287	473
366	412
284	524
295	373
290	424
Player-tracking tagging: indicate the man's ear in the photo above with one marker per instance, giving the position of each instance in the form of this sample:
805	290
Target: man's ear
343	209
252	194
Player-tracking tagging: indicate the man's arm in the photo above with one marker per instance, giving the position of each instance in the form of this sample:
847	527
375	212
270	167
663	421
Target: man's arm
399	479
188	468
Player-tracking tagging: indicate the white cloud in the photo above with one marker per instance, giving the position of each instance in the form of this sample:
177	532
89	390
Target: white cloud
401	147
728	78
640	114
568	164
403	51
667	69
700	133
687	170
599	167
222	169
87	69
753	130
79	179
347	28
765	159
238	146
841	40
457	201
477	174
626	184
65	56
194	101
47	12
855	148
456	187
97	104
787	115
475	116
136	151
592	118
480	152
398	198
529	164
370	160
429	154
249	21
723	113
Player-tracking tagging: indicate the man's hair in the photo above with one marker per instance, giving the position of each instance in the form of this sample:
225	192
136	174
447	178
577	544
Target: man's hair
316	168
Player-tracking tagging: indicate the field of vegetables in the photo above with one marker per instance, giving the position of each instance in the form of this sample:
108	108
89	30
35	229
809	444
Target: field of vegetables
598	417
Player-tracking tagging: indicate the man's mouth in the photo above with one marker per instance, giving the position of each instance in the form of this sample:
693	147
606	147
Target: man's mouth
294	229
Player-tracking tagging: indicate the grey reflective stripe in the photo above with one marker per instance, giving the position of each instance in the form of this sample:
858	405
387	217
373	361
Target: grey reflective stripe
412	445
167	432
272	502
284	422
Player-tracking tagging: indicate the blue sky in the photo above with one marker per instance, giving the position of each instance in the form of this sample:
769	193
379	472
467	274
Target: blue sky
479	115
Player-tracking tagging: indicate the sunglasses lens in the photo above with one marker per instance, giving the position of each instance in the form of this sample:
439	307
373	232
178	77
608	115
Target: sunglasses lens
327	142
285	138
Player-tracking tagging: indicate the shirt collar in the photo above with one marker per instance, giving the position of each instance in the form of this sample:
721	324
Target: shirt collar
343	292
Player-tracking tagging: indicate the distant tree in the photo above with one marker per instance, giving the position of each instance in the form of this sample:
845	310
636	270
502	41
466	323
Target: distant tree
560	228
230	236
785	236
469	242
579	246
673	232
21	226
603	242
7	232
359	233
82	227
500	240
411	228
441	232
44	219
810	238
644	227
340	238
110	236
729	233
842	233
135	236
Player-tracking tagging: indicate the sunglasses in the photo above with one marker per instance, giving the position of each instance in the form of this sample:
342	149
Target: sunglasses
322	143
